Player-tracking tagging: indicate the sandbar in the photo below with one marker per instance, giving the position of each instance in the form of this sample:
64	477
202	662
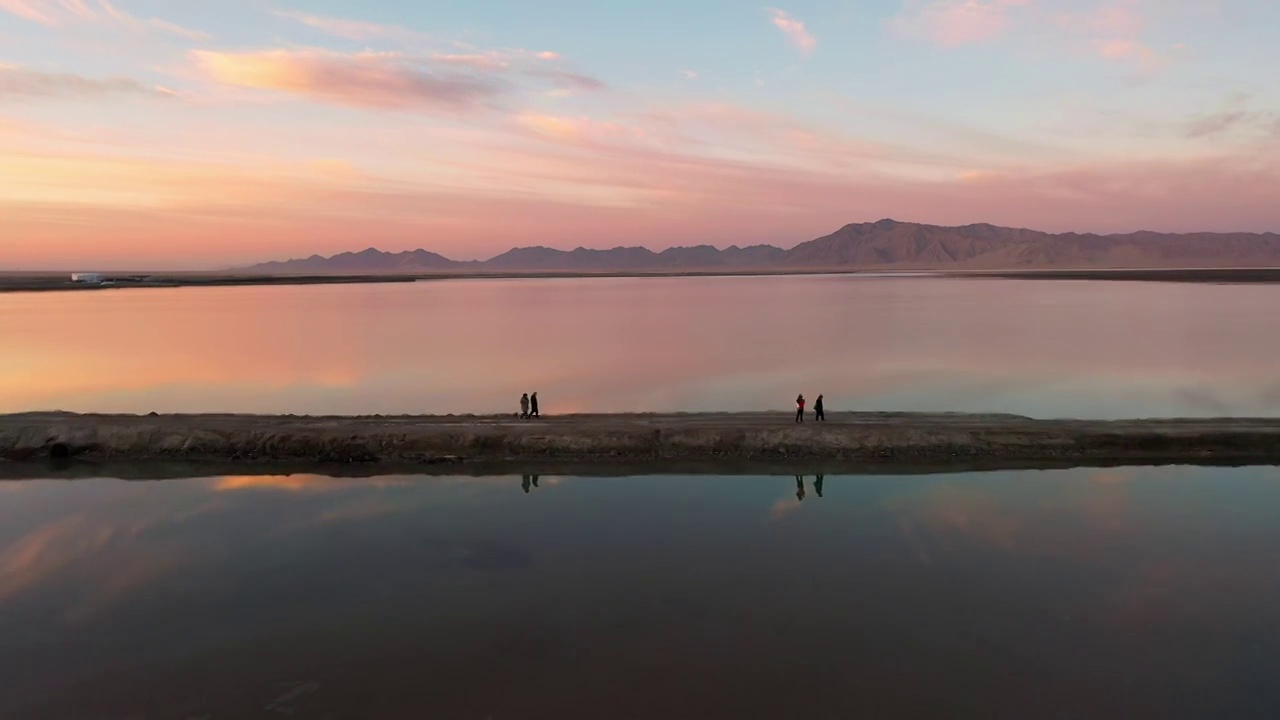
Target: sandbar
470	444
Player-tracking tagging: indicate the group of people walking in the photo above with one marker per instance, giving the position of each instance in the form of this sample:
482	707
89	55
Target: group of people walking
819	413
529	406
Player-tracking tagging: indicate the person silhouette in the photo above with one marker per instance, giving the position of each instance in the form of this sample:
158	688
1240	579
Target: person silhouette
533	406
800	408
819	414
535	481
817	484
524	483
524	406
800	488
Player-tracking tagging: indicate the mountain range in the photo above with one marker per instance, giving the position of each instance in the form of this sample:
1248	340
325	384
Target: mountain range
887	244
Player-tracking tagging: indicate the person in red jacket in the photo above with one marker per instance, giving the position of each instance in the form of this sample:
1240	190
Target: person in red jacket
800	408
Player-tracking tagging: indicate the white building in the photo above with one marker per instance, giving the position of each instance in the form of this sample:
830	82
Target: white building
88	278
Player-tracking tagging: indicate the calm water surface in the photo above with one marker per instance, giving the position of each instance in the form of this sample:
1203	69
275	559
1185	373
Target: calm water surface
1129	593
1041	348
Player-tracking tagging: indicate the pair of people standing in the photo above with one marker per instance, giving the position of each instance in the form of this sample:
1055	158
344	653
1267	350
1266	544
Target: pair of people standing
819	413
529	406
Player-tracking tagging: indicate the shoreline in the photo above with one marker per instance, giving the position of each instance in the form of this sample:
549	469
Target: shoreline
161	470
73	445
51	282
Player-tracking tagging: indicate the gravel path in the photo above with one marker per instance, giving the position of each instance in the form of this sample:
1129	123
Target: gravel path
882	438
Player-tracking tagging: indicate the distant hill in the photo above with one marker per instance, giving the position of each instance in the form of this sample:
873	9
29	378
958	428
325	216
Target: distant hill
365	261
886	244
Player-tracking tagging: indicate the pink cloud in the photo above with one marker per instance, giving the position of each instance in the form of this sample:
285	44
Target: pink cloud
376	80
951	23
481	61
794	30
1127	49
441	82
577	130
29	10
1112	31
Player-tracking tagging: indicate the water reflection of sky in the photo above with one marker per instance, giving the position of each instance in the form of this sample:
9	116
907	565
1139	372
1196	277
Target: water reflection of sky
1043	348
1119	593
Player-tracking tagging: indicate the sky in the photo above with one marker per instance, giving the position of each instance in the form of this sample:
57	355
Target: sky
187	134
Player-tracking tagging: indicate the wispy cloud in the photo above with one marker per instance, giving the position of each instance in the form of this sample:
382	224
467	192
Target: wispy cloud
570	81
61	12
24	82
578	130
352	29
951	23
498	59
1234	113
481	61
794	30
1128	50
1111	31
450	83
375	80
28	10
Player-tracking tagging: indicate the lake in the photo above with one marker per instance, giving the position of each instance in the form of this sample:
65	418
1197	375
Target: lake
1135	593
1097	349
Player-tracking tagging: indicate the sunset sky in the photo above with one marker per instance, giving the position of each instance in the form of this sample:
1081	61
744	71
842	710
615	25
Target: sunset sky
158	134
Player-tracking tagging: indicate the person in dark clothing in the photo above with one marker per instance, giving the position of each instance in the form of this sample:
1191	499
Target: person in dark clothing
819	415
524	483
533	406
817	484
800	488
800	408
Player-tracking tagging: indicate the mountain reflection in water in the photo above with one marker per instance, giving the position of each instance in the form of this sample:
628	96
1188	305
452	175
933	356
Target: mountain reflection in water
1101	349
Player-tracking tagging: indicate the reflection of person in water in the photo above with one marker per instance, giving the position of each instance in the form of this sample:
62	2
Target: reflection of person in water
524	482
800	488
817	484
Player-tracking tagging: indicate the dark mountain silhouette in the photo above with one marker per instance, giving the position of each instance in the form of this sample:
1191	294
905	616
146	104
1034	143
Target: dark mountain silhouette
886	244
701	257
367	261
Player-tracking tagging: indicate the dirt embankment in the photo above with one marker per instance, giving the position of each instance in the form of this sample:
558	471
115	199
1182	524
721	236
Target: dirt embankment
884	439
